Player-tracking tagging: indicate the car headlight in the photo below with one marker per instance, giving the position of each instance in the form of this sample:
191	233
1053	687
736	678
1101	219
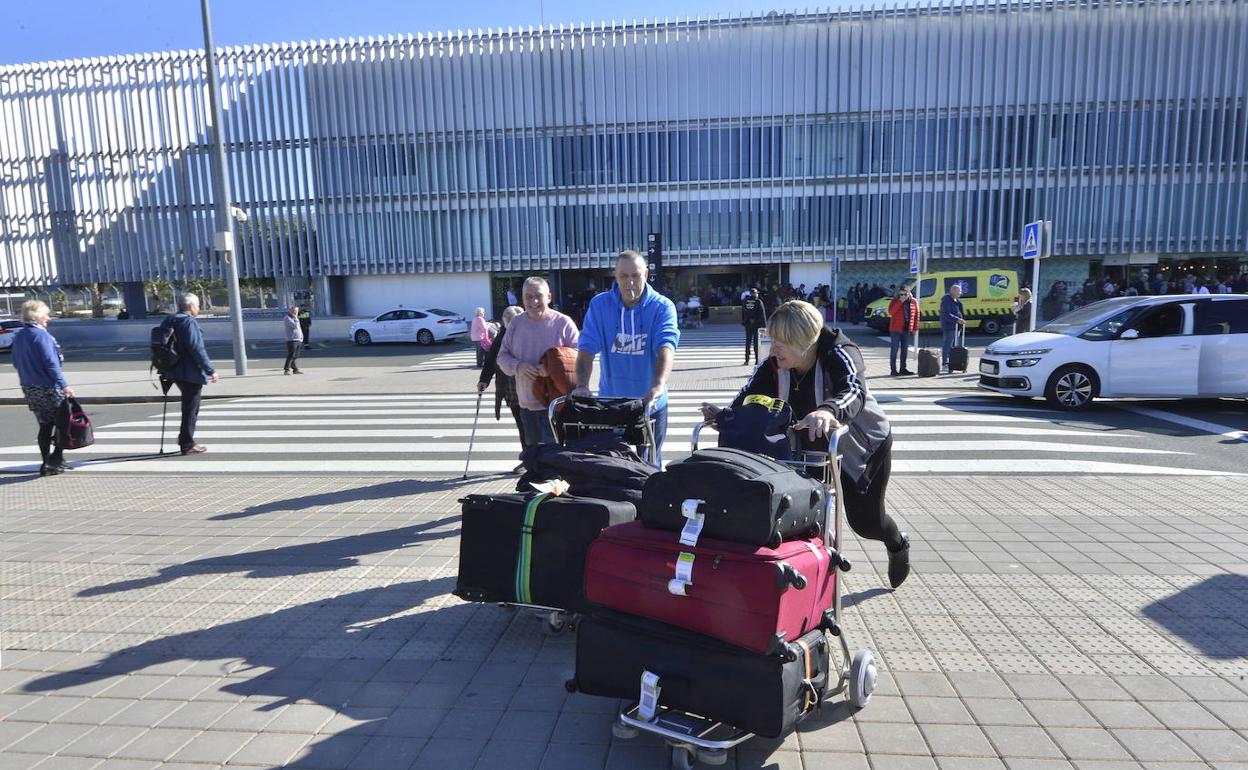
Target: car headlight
1036	352
1021	362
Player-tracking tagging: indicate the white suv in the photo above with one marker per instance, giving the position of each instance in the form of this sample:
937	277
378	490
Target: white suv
1171	346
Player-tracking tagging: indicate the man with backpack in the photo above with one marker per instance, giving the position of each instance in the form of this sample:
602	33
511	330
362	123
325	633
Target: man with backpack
182	360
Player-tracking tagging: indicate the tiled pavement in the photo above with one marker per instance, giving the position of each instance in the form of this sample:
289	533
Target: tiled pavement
204	623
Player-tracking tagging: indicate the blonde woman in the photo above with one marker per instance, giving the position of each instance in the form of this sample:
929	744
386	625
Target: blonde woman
37	357
819	371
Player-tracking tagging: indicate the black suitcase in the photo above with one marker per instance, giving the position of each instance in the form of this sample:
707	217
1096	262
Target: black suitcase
763	694
959	356
749	498
929	363
494	565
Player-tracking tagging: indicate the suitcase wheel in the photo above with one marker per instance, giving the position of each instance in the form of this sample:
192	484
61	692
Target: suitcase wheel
683	758
570	685
713	756
862	676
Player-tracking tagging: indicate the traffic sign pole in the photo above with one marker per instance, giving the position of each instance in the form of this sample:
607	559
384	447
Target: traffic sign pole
918	266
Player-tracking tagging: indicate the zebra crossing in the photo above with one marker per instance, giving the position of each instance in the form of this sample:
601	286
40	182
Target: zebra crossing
936	432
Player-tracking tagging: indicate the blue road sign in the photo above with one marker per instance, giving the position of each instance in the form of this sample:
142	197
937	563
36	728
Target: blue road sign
1031	240
916	259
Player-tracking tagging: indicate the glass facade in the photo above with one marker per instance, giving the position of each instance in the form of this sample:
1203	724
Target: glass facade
785	138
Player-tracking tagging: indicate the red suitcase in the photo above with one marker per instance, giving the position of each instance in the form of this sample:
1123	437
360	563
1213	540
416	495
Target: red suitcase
756	598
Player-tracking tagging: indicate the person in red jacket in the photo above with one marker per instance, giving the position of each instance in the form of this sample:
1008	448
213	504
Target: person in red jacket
903	322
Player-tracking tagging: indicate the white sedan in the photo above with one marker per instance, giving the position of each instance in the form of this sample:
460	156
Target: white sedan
8	328
1170	346
425	325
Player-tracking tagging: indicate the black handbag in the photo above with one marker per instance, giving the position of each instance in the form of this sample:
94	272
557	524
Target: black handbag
73	426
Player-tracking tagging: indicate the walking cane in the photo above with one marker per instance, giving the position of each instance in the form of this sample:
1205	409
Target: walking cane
164	407
473	436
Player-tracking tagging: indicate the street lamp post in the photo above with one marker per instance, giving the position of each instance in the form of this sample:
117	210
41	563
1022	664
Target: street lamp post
223	235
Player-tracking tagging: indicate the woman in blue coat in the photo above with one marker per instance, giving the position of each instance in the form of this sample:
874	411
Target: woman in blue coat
38	360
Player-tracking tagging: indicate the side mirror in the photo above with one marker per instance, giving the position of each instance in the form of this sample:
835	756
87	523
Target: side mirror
1130	334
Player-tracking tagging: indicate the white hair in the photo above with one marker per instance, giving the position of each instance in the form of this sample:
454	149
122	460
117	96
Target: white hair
186	300
536	281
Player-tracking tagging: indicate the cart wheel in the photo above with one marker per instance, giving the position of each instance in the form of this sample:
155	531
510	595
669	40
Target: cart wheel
713	756
623	731
556	622
862	675
683	758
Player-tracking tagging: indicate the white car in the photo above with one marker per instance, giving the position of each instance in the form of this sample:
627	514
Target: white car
1170	346
8	328
425	325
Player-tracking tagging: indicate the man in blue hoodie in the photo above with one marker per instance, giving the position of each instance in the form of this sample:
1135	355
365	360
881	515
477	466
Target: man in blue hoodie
634	328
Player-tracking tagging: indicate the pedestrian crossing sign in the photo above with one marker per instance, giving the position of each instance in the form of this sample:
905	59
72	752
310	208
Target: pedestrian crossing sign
1031	240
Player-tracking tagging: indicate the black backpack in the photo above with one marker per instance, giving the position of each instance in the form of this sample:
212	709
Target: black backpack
164	348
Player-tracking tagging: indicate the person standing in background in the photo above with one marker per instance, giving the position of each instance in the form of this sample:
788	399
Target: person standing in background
952	317
305	325
293	323
903	322
753	318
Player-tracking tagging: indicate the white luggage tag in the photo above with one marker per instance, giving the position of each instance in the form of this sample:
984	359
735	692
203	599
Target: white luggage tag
684	575
648	704
694	522
554	486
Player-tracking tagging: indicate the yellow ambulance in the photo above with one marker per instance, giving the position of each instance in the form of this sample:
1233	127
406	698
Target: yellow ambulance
988	297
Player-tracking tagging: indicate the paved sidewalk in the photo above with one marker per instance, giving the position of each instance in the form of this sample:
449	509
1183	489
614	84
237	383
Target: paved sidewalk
199	623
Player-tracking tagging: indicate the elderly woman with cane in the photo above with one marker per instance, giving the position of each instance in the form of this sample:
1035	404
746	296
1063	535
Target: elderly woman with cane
819	372
504	384
37	357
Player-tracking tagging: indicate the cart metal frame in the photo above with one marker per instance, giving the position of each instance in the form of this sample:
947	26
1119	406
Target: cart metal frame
693	738
559	620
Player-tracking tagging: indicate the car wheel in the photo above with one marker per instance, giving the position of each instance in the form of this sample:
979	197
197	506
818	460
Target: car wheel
1072	387
363	338
424	337
990	326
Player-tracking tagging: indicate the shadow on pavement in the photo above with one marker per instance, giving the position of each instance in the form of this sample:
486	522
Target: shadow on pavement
858	597
384	491
332	652
290	560
1208	616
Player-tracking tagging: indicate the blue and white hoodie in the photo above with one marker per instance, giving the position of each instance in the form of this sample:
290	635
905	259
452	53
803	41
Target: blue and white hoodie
627	340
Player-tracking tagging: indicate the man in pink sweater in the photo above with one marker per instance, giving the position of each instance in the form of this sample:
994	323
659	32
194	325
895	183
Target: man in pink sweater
527	338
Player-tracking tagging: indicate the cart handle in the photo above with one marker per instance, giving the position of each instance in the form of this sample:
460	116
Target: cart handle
647	422
833	440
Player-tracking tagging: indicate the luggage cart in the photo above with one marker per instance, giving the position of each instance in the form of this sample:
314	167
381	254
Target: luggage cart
574	425
693	738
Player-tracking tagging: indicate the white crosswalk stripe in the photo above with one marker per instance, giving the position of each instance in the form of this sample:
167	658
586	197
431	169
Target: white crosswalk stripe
955	433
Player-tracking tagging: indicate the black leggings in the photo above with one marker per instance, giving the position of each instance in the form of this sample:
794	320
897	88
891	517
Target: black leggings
45	445
864	508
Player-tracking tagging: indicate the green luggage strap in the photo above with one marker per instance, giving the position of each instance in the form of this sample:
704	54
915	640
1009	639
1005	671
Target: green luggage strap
524	564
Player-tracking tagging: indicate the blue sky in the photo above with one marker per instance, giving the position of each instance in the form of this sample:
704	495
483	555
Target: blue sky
72	29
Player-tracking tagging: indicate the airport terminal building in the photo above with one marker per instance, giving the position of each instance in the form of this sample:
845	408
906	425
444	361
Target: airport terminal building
434	169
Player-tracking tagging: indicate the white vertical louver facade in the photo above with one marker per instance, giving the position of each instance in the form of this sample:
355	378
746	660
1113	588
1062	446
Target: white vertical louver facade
785	138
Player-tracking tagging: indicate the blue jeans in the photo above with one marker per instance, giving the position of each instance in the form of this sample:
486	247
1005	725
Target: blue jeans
536	427
900	341
660	432
949	341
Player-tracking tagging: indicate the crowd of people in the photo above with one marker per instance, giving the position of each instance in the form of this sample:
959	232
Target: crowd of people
631	334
